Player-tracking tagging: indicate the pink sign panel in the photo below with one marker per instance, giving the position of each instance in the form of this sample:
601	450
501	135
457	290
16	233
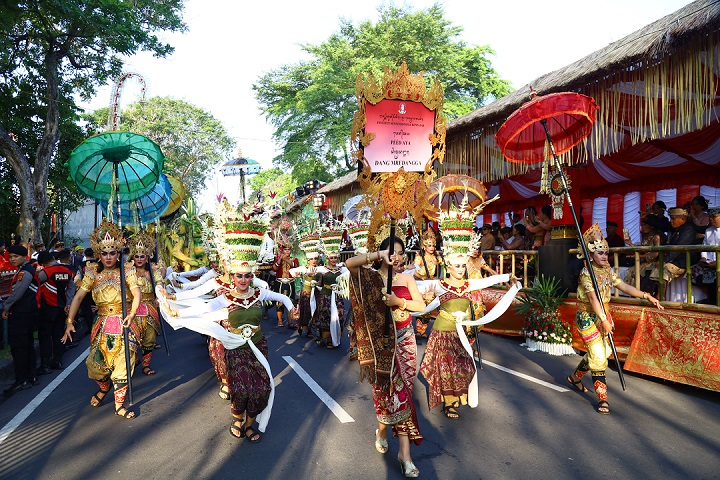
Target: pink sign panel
402	135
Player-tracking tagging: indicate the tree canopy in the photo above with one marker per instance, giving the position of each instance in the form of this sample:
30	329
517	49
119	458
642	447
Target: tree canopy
311	103
193	141
272	180
52	51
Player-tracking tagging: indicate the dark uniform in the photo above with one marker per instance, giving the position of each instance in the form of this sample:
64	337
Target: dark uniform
22	308
57	289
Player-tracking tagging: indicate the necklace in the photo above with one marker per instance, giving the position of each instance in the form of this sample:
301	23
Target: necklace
458	290
244	300
385	278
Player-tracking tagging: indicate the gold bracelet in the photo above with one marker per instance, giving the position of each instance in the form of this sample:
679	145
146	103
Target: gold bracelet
404	305
69	321
645	296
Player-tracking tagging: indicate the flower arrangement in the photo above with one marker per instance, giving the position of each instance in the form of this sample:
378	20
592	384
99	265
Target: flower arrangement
544	329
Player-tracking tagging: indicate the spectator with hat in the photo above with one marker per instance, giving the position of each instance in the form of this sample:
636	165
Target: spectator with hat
657	210
21	311
38	247
682	233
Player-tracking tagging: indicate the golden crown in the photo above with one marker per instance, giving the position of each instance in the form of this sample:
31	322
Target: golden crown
594	240
106	237
142	243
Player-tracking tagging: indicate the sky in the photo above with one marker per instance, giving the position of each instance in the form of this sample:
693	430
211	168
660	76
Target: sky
230	44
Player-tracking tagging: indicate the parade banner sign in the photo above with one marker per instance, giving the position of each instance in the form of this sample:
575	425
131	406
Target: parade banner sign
402	135
398	133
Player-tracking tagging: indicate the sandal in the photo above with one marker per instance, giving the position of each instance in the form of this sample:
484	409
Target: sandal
603	407
157	346
577	384
381	444
252	437
450	411
98	399
224	392
408	469
148	371
236	430
128	413
330	346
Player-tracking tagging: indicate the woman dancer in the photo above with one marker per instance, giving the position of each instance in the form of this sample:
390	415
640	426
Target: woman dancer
106	362
142	247
448	364
594	325
331	310
311	277
428	265
387	359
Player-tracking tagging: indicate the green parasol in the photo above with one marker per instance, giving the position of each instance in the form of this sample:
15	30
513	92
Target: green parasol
122	165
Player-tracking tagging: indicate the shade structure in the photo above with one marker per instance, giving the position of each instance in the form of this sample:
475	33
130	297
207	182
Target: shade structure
177	196
136	159
147	208
459	191
569	117
351	211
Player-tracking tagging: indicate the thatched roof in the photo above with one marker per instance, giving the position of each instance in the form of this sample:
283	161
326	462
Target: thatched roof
339	183
651	43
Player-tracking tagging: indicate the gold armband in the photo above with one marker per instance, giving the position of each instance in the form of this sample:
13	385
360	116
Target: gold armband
69	321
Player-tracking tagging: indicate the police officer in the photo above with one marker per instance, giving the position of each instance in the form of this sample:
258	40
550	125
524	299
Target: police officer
21	312
57	288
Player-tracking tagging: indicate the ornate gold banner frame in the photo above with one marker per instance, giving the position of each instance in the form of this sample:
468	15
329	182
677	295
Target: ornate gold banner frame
391	194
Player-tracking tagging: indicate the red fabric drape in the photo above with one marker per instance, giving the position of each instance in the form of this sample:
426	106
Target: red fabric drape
587	210
615	210
686	193
647	199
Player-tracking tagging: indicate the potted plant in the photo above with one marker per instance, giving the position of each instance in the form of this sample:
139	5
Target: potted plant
544	330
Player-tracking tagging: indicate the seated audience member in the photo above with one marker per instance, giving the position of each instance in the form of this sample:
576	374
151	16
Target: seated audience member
682	233
540	226
614	240
704	273
698	214
651	237
658	210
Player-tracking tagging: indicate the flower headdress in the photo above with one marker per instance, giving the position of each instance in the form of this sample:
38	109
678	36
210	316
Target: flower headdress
457	233
331	236
310	244
594	240
106	237
142	243
239	235
359	237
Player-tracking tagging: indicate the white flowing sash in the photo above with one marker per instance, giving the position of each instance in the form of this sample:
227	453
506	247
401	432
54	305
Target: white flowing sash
206	324
493	314
334	319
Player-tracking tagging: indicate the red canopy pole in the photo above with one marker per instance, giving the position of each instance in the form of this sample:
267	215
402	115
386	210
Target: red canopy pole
583	246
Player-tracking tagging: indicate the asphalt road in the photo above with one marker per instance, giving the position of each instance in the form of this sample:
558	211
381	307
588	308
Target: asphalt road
525	427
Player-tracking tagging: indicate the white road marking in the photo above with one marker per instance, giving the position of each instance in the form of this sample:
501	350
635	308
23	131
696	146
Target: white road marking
35	402
334	407
526	377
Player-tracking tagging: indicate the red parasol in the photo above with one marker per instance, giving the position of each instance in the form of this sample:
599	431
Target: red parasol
562	120
569	118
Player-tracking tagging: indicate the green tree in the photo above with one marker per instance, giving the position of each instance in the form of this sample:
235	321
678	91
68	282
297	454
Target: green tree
193	141
50	51
272	180
311	104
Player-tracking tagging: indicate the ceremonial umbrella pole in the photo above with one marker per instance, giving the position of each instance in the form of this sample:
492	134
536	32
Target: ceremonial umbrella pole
123	295
562	120
121	167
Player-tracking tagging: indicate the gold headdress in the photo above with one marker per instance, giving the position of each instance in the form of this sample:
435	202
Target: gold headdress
106	237
429	238
594	240
383	232
142	243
